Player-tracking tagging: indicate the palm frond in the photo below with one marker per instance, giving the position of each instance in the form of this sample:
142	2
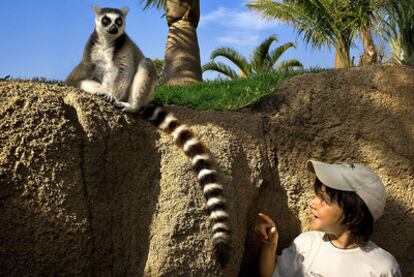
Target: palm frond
398	28
260	59
221	68
278	52
289	64
320	22
159	4
303	17
235	57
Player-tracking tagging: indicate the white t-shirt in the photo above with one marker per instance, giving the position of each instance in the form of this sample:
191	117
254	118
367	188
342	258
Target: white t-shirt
312	255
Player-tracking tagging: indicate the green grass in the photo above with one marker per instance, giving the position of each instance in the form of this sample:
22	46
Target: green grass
222	94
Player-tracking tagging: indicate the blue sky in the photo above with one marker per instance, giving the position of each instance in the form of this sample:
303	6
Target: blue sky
45	38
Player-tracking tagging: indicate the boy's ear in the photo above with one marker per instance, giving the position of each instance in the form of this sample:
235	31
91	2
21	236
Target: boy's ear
96	9
125	10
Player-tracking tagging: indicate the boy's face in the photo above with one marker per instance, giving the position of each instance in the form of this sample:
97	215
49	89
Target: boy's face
326	214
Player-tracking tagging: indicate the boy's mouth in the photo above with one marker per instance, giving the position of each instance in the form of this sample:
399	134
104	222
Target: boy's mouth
314	216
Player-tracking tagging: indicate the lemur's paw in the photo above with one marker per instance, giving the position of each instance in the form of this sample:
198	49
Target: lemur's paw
110	99
119	104
125	107
122	106
107	97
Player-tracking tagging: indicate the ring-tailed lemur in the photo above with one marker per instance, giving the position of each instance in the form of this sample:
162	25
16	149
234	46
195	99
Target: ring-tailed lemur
114	67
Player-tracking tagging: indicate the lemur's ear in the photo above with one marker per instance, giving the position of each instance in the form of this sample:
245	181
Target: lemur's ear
96	9
125	10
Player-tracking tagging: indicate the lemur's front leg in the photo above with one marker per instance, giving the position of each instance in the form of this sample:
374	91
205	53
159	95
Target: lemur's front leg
104	89
141	90
122	90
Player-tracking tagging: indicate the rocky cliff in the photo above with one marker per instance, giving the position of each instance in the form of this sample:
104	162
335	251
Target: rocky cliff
86	190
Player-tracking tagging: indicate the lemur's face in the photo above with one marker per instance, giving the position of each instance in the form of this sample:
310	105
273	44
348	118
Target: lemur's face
110	22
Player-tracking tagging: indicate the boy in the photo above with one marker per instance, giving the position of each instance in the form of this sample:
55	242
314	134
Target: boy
349	199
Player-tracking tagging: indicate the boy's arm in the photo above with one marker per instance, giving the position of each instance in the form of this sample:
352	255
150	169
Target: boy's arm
269	236
267	259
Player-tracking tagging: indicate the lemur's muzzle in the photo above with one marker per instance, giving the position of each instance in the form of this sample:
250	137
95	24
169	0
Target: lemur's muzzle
113	29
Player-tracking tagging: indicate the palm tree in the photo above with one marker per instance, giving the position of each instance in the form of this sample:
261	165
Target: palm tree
262	60
398	27
322	22
364	15
182	51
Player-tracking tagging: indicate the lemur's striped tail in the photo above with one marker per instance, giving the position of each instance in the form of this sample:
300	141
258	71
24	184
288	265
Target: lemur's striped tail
204	167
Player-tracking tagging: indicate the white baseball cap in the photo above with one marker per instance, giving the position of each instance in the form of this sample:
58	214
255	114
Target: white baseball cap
352	177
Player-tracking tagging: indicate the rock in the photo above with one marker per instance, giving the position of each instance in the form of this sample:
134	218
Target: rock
86	190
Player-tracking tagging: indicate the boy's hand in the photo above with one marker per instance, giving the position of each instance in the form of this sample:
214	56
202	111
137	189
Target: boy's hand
266	230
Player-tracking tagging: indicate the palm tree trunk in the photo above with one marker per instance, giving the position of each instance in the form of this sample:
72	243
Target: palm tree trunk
182	52
370	52
342	58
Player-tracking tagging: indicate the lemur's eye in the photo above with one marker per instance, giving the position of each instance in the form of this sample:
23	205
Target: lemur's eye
106	21
118	22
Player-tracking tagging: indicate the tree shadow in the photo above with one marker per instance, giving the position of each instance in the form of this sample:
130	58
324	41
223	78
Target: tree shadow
271	200
394	233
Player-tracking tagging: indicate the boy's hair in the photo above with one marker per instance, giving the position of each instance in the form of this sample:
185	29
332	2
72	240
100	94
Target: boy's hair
357	218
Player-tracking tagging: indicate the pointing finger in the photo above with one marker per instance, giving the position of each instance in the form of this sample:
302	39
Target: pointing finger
266	219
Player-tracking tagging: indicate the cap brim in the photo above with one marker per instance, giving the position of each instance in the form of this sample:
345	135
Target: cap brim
329	175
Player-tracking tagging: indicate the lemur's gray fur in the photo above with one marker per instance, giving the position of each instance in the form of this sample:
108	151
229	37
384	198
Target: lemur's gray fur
113	66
